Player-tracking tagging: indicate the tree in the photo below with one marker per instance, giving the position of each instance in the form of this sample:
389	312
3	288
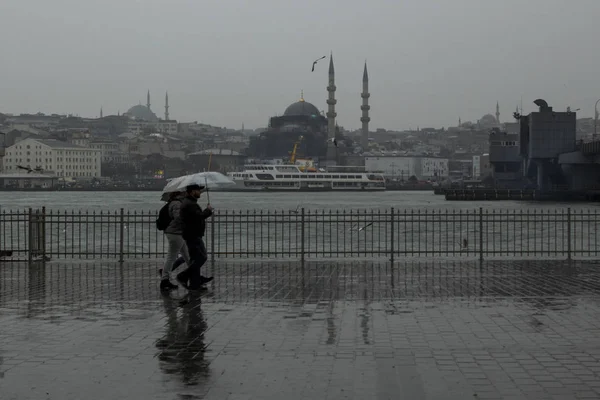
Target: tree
413	179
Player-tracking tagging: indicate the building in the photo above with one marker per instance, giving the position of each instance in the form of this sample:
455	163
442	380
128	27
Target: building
301	123
312	132
481	166
505	157
139	127
545	135
143	120
402	168
63	159
223	160
110	151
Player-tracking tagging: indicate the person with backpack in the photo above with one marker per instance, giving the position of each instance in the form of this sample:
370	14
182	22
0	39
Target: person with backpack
193	220
169	221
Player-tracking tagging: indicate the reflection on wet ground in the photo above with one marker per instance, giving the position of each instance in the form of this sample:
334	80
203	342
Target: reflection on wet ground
444	330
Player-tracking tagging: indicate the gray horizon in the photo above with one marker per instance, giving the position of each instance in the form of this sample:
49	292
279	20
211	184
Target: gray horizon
233	63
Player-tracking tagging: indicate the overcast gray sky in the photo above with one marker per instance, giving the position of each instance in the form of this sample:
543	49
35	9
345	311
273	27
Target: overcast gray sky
228	62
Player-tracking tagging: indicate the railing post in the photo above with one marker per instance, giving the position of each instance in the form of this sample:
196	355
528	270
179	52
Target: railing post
569	233
30	235
480	233
392	235
212	238
121	235
302	235
43	233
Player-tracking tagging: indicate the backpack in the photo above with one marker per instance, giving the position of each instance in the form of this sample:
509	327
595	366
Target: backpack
164	218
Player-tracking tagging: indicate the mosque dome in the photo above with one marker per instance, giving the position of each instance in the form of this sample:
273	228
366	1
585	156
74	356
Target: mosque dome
301	108
488	120
142	112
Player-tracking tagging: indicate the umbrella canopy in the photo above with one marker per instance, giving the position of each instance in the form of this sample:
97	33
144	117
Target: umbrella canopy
209	180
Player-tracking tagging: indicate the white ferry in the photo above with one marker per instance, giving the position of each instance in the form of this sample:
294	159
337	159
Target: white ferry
270	177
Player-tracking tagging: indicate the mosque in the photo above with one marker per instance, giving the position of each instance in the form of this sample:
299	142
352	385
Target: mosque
316	133
142	112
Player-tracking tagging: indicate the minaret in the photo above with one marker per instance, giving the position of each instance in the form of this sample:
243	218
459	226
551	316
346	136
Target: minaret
101	114
331	114
459	122
497	112
148	100
365	110
166	106
331	101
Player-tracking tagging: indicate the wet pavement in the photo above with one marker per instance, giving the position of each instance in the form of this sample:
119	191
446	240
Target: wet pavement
285	331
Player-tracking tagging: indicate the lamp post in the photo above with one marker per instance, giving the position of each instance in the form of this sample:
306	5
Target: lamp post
596	117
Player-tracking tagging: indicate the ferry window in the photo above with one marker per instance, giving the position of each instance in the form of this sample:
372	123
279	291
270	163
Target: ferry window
327	176
279	176
267	177
287	176
335	176
311	176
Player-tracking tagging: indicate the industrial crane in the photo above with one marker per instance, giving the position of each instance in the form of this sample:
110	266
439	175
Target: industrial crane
294	150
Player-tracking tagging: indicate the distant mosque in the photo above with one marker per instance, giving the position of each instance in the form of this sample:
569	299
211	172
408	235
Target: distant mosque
315	132
488	121
142	112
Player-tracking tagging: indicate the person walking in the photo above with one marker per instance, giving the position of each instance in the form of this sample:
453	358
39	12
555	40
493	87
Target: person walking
193	220
176	244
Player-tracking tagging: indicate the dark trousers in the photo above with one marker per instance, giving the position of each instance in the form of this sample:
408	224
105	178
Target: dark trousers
198	256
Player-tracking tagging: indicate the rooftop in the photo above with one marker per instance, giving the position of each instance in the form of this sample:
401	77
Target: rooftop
58	144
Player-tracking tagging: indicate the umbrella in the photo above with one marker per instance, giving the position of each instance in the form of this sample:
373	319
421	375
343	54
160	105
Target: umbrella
210	180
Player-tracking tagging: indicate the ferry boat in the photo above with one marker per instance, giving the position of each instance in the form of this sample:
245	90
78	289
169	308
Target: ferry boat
283	177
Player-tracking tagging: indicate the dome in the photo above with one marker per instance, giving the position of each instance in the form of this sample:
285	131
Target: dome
142	112
301	108
488	119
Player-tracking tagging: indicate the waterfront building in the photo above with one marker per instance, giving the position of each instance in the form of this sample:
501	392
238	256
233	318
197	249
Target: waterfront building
505	157
402	167
64	159
481	166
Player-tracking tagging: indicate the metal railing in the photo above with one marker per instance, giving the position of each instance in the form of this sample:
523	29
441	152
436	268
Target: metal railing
385	234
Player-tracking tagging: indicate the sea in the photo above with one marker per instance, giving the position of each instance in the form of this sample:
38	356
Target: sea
426	224
148	201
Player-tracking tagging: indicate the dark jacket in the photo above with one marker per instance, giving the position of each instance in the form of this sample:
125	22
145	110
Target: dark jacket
193	218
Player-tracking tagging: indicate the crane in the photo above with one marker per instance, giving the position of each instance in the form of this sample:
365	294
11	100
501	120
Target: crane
294	150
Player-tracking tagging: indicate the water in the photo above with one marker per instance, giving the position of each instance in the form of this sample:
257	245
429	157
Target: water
145	201
89	225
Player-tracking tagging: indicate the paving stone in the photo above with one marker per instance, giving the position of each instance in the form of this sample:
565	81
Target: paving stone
327	330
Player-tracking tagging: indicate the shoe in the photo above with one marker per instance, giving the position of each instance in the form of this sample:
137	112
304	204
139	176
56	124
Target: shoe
204	279
166	285
182	280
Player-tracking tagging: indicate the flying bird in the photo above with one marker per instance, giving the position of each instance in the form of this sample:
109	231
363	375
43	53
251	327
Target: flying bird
333	140
364	227
315	63
28	169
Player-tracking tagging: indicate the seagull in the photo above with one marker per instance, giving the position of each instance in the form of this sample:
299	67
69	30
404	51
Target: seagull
333	140
28	169
315	63
364	227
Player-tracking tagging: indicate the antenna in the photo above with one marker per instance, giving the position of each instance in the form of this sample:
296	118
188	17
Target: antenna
521	105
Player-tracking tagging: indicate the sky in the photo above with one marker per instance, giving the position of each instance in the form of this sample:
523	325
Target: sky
234	62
